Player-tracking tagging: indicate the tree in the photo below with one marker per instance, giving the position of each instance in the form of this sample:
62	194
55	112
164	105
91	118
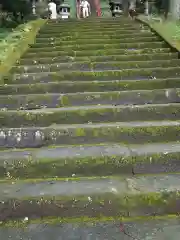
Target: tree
18	8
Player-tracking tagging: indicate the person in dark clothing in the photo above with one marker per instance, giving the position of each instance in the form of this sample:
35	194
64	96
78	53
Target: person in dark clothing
111	6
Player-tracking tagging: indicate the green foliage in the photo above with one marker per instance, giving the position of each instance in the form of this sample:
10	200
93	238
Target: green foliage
16	43
14	12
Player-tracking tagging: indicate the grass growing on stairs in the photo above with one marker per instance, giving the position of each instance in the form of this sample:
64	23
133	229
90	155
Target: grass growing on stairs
34	168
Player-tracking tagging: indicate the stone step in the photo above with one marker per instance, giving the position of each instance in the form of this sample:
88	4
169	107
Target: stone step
89	25
97	52
80	47
110	197
90	160
80	25
89	86
125	133
94	20
90	187
108	205
108	58
95	28
56	100
124	74
112	36
91	21
162	227
89	114
101	27
61	42
112	32
88	22
94	66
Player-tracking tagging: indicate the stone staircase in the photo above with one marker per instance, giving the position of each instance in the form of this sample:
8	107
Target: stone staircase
90	125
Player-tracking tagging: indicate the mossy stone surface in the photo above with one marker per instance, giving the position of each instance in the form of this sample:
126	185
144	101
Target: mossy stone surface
93	114
79	166
107	205
95	66
68	111
88	86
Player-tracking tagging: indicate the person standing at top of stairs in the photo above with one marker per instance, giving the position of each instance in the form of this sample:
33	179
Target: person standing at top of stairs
53	9
86	11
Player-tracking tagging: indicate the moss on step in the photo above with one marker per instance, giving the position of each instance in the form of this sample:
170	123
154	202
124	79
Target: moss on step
33	168
124	74
94	32
61	42
86	53
80	24
84	30
17	43
86	220
34	101
79	47
68	59
96	114
93	66
154	96
96	134
86	37
89	86
109	205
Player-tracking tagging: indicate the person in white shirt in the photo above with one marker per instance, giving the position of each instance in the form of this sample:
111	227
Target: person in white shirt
85	8
53	10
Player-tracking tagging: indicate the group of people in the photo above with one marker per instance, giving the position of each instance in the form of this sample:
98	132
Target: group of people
84	8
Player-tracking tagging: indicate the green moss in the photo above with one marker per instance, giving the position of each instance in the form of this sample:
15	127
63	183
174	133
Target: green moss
73	29
89	86
62	42
64	100
80	132
27	101
82	166
95	115
20	45
120	134
129	57
112	97
101	75
92	36
85	53
109	204
75	33
93	66
85	220
79	47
